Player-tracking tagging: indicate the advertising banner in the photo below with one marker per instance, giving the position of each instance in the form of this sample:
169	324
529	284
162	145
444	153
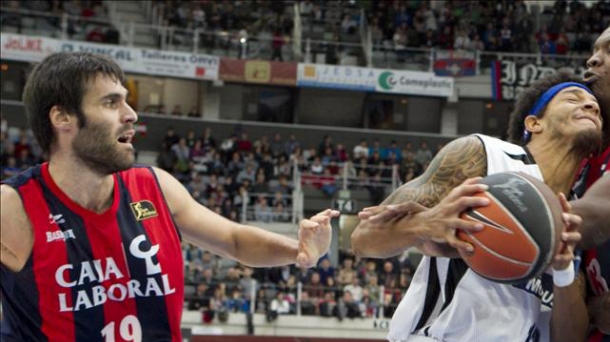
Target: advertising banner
256	71
413	82
136	60
509	78
336	76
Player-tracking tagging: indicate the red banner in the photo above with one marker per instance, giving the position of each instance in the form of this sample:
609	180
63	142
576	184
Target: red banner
255	71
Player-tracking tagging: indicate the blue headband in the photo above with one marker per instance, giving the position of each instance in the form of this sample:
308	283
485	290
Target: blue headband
548	95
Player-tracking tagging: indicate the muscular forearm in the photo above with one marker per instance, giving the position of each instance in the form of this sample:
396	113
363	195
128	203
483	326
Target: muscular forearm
260	248
594	208
569	320
390	240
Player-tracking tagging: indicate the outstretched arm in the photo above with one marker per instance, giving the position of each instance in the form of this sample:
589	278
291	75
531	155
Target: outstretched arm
593	208
249	245
569	319
461	159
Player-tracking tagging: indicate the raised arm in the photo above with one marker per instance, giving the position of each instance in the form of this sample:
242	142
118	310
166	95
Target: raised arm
249	245
593	207
461	159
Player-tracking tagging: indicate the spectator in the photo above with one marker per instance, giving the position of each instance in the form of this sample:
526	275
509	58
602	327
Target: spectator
96	35
262	212
361	150
193	113
246	174
326	270
307	306
177	111
277	44
355	289
423	154
347	307
347	272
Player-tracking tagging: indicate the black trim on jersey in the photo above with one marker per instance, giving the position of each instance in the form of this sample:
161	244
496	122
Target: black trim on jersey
79	250
457	269
432	292
526	158
154	174
152	311
14	305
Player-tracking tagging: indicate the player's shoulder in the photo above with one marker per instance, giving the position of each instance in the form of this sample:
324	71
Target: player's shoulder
464	144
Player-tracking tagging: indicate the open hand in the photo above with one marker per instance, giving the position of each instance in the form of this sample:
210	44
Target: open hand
314	237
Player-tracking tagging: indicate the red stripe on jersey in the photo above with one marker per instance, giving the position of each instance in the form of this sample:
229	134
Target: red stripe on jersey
596	336
162	231
104	234
106	243
47	255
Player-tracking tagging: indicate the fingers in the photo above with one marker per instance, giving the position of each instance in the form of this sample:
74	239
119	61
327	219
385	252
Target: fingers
463	203
571	238
303	260
467	225
469	187
572	222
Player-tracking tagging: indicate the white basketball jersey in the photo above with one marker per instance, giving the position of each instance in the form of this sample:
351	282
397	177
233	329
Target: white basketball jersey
449	302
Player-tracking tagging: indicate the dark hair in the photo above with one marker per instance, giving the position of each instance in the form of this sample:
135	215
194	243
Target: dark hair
61	80
527	99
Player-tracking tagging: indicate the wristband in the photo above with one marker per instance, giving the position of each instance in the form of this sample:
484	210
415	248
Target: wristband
565	277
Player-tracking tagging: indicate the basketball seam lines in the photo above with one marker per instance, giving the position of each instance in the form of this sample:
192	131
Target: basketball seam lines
500	256
549	217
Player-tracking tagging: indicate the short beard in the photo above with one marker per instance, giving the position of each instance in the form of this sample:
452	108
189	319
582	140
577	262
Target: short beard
93	147
586	144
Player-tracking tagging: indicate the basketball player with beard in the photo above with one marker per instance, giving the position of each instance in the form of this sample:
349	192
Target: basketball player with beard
572	315
91	243
555	124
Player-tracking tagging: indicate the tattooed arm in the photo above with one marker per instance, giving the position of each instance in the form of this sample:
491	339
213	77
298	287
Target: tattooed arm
461	159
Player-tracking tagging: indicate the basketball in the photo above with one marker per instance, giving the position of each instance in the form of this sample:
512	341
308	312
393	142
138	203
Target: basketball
522	228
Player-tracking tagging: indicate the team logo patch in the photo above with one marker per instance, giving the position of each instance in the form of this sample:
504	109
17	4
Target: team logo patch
143	210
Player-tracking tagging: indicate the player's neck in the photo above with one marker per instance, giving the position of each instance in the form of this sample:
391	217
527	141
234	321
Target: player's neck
557	162
87	188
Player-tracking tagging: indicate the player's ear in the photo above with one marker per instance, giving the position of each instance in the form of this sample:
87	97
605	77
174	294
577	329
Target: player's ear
532	124
60	118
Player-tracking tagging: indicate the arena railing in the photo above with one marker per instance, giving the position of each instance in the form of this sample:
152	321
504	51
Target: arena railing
294	295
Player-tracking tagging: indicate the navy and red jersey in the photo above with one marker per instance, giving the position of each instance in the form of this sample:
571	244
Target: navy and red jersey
597	260
114	276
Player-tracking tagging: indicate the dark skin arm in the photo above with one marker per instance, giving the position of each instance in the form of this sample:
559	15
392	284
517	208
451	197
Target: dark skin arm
461	159
569	321
569	318
594	208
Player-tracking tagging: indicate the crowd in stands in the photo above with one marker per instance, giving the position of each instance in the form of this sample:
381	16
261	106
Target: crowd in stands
228	173
93	24
355	288
488	25
496	25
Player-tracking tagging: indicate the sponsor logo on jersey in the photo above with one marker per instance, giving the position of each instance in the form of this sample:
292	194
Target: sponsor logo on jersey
143	210
84	282
541	287
56	219
60	236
